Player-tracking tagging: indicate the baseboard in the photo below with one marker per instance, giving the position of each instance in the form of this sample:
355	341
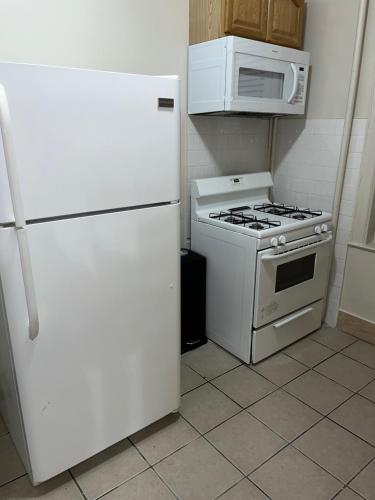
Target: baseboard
358	327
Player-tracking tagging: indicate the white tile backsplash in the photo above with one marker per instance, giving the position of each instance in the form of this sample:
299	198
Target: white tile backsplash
226	145
219	145
306	160
306	163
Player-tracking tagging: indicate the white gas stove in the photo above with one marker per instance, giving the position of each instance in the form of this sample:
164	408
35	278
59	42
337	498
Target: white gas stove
267	264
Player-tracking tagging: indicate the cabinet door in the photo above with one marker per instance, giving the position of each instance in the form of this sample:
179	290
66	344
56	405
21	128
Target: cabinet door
285	22
247	18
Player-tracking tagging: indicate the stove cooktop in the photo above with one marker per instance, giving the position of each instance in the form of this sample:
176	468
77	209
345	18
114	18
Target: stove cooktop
237	217
270	215
290	211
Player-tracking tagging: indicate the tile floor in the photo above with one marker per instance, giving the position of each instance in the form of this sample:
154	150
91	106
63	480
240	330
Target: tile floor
298	426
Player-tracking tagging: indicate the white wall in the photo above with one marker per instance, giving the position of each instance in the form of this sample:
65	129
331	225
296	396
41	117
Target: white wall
358	291
139	36
329	36
368	66
134	36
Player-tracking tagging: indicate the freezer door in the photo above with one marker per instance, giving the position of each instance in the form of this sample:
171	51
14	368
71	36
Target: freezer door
90	140
106	361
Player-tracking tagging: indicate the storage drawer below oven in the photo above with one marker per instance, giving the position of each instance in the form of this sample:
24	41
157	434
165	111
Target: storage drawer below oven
285	331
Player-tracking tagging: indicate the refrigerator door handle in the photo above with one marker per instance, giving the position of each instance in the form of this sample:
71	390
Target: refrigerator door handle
20	223
28	281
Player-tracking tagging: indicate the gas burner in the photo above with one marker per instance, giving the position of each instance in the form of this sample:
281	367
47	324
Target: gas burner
249	221
274	211
232	220
291	212
257	226
238	209
298	216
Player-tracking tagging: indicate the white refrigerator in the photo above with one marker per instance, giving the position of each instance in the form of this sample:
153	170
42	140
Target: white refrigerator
89	259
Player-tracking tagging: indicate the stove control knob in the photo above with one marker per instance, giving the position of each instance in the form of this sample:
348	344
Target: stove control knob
282	240
324	228
274	242
318	229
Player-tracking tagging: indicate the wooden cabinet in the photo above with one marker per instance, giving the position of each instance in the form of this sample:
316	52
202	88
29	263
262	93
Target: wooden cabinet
274	21
247	18
285	22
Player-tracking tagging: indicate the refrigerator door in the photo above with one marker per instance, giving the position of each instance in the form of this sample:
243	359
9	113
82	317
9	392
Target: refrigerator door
89	141
106	361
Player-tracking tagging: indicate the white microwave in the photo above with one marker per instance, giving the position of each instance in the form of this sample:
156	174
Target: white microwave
237	75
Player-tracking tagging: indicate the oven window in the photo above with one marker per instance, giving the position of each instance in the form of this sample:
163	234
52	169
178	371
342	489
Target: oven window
295	272
257	83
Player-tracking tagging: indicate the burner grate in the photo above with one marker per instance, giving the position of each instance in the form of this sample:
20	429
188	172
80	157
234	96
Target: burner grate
292	212
249	221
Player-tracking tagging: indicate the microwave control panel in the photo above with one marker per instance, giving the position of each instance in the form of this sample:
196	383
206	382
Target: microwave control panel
301	82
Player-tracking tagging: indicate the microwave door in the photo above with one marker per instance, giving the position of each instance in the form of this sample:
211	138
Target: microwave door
261	84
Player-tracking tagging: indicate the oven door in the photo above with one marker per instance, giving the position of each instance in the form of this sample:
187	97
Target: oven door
262	84
291	279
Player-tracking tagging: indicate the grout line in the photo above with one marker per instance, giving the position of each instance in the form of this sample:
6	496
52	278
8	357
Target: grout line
165	483
77	484
14	479
347	488
177	449
345	482
238	482
228	489
119	485
354	359
316	364
358	473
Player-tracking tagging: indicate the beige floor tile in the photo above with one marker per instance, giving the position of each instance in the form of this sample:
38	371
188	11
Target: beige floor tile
198	472
210	360
364	483
11	466
245	441
333	338
108	469
317	391
280	369
3	429
145	486
244	386
285	414
244	490
163	438
358	416
291	476
308	352
189	379
363	352
335	449
369	391
61	487
346	371
347	494
206	407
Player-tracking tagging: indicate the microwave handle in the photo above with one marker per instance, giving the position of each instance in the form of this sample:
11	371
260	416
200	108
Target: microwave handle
295	82
281	255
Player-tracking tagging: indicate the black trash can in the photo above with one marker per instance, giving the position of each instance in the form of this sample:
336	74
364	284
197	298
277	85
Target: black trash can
193	300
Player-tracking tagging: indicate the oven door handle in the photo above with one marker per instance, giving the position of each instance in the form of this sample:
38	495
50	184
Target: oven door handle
278	256
288	320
